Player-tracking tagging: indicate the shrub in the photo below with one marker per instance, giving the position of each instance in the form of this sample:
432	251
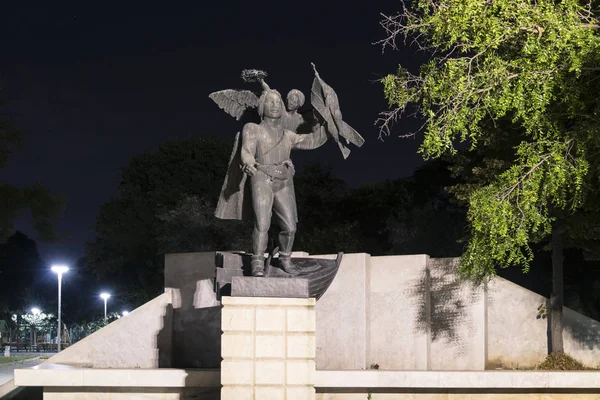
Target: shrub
561	362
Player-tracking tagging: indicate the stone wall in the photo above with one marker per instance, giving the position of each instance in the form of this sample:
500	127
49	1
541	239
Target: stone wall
141	339
411	313
396	312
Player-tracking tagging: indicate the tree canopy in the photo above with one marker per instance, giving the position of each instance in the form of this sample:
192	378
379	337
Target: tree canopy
43	206
165	204
518	79
536	65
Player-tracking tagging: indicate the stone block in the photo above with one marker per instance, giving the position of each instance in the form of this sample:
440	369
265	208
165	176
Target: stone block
305	393
300	372
229	260
270	346
237	393
237	319
237	345
301	346
267	301
183	268
225	275
237	372
270	320
247	286
268	393
301	320
269	373
277	357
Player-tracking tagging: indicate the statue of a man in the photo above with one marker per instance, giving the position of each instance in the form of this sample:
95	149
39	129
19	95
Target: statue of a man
262	157
265	157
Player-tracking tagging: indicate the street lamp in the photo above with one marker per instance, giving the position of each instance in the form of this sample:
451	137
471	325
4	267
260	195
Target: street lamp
125	313
35	311
105	297
59	270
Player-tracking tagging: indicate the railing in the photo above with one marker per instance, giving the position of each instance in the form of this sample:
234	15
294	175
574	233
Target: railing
36	348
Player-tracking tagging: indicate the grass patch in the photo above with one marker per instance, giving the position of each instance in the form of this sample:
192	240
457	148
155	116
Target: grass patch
562	362
9	360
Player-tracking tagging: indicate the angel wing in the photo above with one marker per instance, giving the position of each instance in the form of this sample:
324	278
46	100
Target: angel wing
235	102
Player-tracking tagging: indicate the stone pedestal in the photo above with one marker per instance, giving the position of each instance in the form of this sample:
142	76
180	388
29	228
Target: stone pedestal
248	286
268	348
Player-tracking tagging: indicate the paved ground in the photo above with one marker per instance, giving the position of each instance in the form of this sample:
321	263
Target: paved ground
7	371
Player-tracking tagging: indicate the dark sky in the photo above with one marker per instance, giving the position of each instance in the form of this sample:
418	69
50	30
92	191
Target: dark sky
91	86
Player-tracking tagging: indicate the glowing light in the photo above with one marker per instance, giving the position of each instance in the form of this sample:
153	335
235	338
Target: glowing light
59	269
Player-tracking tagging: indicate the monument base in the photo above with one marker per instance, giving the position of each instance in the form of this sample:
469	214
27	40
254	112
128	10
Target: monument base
246	286
268	348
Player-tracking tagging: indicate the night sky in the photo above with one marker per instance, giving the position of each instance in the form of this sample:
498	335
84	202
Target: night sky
91	87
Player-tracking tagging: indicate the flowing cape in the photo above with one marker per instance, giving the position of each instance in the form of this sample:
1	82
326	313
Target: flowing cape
232	202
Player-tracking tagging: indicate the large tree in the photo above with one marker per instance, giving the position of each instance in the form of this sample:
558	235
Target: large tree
42	205
533	68
428	221
165	204
20	265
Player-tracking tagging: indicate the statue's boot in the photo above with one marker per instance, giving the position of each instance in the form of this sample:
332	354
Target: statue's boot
285	260
258	265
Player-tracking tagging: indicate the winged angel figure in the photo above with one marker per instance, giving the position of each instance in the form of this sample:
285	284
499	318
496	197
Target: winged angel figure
263	154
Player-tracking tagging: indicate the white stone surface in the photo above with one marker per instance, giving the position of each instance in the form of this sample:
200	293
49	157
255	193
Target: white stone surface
342	316
266	301
516	337
268	348
581	337
442	395
457	379
457	333
397	330
128	342
56	375
580	379
377	312
109	395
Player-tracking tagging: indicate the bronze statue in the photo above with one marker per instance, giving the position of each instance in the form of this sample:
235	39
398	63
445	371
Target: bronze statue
267	139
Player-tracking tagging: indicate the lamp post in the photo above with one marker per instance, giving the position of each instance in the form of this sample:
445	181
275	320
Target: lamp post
35	311
59	270
105	297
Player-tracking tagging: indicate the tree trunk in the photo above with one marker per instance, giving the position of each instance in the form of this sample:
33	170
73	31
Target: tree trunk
556	299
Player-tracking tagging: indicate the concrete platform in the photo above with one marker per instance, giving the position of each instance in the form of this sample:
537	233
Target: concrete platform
63	382
56	375
440	380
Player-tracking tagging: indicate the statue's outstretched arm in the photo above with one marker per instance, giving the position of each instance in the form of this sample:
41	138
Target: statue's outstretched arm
310	141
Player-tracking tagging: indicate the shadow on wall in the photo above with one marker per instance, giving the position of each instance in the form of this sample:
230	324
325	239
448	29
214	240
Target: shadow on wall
196	335
443	301
25	393
164	339
585	331
445	312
